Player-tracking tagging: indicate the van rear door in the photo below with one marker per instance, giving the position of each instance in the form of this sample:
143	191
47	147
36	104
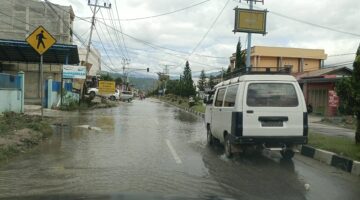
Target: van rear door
273	109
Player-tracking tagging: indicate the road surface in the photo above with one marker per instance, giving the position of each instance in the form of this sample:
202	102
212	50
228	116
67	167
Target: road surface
151	148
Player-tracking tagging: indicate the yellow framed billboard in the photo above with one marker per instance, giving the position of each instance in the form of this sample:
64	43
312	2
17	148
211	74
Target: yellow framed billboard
106	87
250	21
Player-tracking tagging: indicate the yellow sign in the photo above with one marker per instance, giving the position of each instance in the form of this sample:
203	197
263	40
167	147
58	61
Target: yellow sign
40	40
106	87
250	21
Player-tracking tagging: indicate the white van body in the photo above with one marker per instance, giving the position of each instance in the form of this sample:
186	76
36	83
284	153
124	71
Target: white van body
267	110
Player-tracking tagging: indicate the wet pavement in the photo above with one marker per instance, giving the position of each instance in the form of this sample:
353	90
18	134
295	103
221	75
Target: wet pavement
151	148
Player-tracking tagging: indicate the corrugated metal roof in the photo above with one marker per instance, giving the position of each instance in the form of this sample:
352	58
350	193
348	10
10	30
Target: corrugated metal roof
21	51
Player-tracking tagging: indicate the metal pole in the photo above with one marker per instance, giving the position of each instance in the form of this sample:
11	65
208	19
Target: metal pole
248	52
41	86
91	32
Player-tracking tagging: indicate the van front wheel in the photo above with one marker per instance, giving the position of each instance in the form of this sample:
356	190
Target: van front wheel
227	146
287	154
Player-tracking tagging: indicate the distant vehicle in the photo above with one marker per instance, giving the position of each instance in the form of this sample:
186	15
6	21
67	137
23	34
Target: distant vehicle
266	111
92	92
126	96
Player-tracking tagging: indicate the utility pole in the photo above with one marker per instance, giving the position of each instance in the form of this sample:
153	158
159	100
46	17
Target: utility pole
248	52
125	62
97	7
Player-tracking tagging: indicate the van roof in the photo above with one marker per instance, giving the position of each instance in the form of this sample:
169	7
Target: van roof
256	77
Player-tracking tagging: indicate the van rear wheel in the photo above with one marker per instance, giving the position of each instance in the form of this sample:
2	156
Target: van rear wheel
227	146
287	154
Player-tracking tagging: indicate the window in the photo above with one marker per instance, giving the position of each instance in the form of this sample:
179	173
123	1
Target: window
231	96
220	97
272	95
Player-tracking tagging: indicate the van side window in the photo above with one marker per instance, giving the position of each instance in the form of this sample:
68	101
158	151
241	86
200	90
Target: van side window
231	96
220	97
272	95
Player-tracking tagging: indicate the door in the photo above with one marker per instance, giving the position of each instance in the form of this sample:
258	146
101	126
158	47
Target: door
217	121
273	109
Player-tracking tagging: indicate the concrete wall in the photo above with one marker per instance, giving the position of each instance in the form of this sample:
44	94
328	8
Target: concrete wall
10	100
35	13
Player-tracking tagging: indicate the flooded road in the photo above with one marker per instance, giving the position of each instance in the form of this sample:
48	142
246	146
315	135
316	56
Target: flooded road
148	147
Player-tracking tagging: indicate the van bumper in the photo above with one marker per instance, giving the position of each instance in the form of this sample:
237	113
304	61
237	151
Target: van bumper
270	140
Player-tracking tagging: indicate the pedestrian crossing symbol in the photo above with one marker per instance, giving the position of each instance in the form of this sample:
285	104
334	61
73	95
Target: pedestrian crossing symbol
41	40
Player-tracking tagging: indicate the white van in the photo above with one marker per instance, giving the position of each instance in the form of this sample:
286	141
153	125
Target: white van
267	111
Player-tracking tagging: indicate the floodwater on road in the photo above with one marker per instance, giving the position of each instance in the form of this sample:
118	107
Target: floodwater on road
149	147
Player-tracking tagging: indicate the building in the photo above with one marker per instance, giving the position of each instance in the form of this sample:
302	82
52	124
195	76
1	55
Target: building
94	60
298	60
18	19
319	88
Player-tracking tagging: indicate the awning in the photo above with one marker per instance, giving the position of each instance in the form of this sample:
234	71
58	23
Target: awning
21	51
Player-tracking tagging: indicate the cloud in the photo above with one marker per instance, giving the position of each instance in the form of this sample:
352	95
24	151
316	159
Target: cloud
181	31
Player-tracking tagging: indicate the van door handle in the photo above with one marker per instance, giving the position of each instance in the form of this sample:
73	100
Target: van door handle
220	109
250	111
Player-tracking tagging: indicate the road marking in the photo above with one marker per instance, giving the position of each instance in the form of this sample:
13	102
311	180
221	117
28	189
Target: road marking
173	152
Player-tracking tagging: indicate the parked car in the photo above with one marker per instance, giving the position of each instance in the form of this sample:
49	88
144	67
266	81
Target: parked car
92	92
266	111
126	96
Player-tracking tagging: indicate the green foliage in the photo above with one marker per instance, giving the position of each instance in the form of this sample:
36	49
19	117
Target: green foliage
202	81
183	87
106	77
240	58
348	89
211	82
118	81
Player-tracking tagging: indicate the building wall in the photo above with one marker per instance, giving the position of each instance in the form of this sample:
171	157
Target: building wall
21	17
94	59
311	65
301	60
317	94
32	74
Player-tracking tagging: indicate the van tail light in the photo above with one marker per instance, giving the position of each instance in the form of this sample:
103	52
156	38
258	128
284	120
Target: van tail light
305	124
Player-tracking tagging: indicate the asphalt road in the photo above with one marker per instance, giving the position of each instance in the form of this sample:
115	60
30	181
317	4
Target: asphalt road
151	148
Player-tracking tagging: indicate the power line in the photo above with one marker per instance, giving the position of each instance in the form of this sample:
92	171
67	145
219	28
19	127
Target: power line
207	32
97	33
343	54
112	41
311	24
122	36
163	14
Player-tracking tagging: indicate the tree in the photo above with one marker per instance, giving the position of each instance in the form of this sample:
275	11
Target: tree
202	81
240	64
348	89
118	81
188	88
106	77
211	82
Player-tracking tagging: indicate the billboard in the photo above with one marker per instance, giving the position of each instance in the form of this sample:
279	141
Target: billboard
74	72
250	21
106	87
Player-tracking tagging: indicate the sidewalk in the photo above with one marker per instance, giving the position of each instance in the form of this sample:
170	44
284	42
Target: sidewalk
316	126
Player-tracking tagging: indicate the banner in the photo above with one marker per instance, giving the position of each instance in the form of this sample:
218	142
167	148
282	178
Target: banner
74	72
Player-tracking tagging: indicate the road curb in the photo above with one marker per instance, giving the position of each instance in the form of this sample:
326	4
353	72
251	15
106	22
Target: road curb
199	114
332	159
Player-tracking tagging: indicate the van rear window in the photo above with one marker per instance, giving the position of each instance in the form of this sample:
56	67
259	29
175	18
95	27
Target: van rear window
271	95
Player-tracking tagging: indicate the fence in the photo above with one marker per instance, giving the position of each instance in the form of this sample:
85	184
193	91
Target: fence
12	92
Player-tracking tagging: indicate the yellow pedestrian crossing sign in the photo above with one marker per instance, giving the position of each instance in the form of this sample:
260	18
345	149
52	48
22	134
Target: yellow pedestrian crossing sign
41	40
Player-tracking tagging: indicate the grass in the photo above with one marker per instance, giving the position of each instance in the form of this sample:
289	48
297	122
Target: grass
11	122
338	145
183	103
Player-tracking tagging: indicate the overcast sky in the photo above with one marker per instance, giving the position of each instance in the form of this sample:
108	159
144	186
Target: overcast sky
182	31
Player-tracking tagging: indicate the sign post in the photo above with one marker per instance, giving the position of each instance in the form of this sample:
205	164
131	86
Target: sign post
41	40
